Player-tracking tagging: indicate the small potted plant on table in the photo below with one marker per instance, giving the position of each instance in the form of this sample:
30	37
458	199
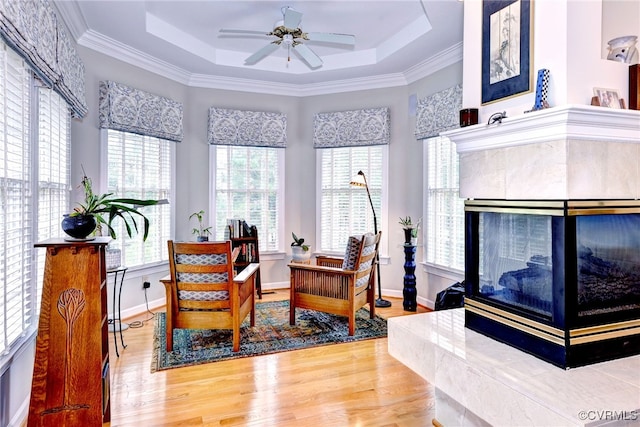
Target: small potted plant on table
410	230
299	250
201	232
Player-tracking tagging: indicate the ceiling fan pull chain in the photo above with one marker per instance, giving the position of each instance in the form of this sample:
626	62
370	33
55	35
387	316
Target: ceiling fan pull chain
288	53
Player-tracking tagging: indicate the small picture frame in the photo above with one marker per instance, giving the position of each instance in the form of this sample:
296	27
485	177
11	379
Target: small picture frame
609	98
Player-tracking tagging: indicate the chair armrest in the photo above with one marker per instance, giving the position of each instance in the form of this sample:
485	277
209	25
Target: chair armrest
166	280
329	261
246	274
320	269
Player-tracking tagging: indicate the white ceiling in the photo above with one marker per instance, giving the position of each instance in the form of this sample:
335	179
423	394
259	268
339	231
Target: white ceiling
396	42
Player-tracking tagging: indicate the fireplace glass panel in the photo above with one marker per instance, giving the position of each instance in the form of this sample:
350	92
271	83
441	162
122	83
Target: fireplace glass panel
608	248
515	264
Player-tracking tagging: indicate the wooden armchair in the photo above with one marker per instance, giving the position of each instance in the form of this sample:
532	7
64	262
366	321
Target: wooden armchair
202	292
336	285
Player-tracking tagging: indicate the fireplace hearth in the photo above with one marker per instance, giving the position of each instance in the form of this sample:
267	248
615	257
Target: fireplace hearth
557	279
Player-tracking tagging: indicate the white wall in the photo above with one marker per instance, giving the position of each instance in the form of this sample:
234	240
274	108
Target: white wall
568	39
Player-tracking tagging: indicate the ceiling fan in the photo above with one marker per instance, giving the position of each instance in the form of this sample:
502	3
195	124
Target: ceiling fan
290	35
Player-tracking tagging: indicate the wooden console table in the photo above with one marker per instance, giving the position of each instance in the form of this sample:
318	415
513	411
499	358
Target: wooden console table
70	385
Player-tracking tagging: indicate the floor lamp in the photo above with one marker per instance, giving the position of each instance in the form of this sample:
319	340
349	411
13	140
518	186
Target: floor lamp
361	181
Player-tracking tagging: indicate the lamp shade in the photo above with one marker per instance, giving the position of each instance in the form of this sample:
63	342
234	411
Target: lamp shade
358	180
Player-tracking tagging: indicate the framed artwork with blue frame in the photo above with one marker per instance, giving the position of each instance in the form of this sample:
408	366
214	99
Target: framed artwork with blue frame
506	49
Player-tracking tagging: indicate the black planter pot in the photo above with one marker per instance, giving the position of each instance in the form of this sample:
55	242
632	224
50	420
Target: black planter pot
78	226
203	238
407	236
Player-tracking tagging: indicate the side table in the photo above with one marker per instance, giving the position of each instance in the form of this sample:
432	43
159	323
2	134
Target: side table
117	324
409	291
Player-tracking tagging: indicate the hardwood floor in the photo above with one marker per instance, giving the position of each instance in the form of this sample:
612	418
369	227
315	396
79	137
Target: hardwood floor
351	384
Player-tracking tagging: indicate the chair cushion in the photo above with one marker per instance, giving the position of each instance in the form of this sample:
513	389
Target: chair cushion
202	259
204	295
351	254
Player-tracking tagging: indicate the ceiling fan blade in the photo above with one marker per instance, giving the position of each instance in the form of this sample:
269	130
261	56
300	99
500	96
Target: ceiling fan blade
261	54
308	56
292	18
264	33
332	38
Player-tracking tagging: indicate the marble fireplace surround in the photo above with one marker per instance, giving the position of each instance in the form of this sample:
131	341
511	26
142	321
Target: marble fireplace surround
571	152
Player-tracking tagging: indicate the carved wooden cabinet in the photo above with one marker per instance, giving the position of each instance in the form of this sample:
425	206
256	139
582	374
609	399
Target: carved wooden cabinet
70	385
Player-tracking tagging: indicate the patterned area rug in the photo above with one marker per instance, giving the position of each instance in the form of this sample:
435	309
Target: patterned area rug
272	334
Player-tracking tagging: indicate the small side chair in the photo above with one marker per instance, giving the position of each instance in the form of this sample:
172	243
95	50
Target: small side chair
202	292
338	286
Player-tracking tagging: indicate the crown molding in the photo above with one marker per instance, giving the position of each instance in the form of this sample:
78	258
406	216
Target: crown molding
72	17
449	56
110	47
105	45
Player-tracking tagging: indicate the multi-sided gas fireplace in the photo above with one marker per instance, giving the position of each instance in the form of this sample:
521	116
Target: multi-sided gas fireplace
553	232
558	279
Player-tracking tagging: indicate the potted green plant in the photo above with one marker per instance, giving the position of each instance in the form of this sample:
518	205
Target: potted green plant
299	250
410	230
201	232
99	210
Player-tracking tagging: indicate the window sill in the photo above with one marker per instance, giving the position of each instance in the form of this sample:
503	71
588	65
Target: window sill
148	269
16	348
272	256
447	273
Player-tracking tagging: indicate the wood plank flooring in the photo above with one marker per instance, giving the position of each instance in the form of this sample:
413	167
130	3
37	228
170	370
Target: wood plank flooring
351	384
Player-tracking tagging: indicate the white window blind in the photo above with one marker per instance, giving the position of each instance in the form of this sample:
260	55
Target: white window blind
140	167
345	210
444	225
248	186
16	201
54	120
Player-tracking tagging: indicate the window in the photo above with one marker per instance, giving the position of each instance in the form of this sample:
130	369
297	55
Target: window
16	233
248	185
444	225
140	167
34	192
54	164
345	210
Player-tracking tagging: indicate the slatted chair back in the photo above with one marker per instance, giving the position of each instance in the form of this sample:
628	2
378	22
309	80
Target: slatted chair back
203	273
360	256
203	291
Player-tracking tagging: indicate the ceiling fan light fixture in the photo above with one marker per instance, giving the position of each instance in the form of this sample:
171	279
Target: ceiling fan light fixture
289	34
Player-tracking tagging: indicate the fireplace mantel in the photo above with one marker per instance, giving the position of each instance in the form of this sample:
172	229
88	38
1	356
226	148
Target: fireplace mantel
562	153
575	122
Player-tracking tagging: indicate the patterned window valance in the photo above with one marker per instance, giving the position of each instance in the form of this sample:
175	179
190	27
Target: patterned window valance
439	112
32	29
132	110
352	128
248	128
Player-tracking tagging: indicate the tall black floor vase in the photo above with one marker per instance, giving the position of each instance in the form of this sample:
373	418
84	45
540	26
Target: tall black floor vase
409	292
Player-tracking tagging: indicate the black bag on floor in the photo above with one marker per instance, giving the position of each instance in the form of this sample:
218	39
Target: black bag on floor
452	297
